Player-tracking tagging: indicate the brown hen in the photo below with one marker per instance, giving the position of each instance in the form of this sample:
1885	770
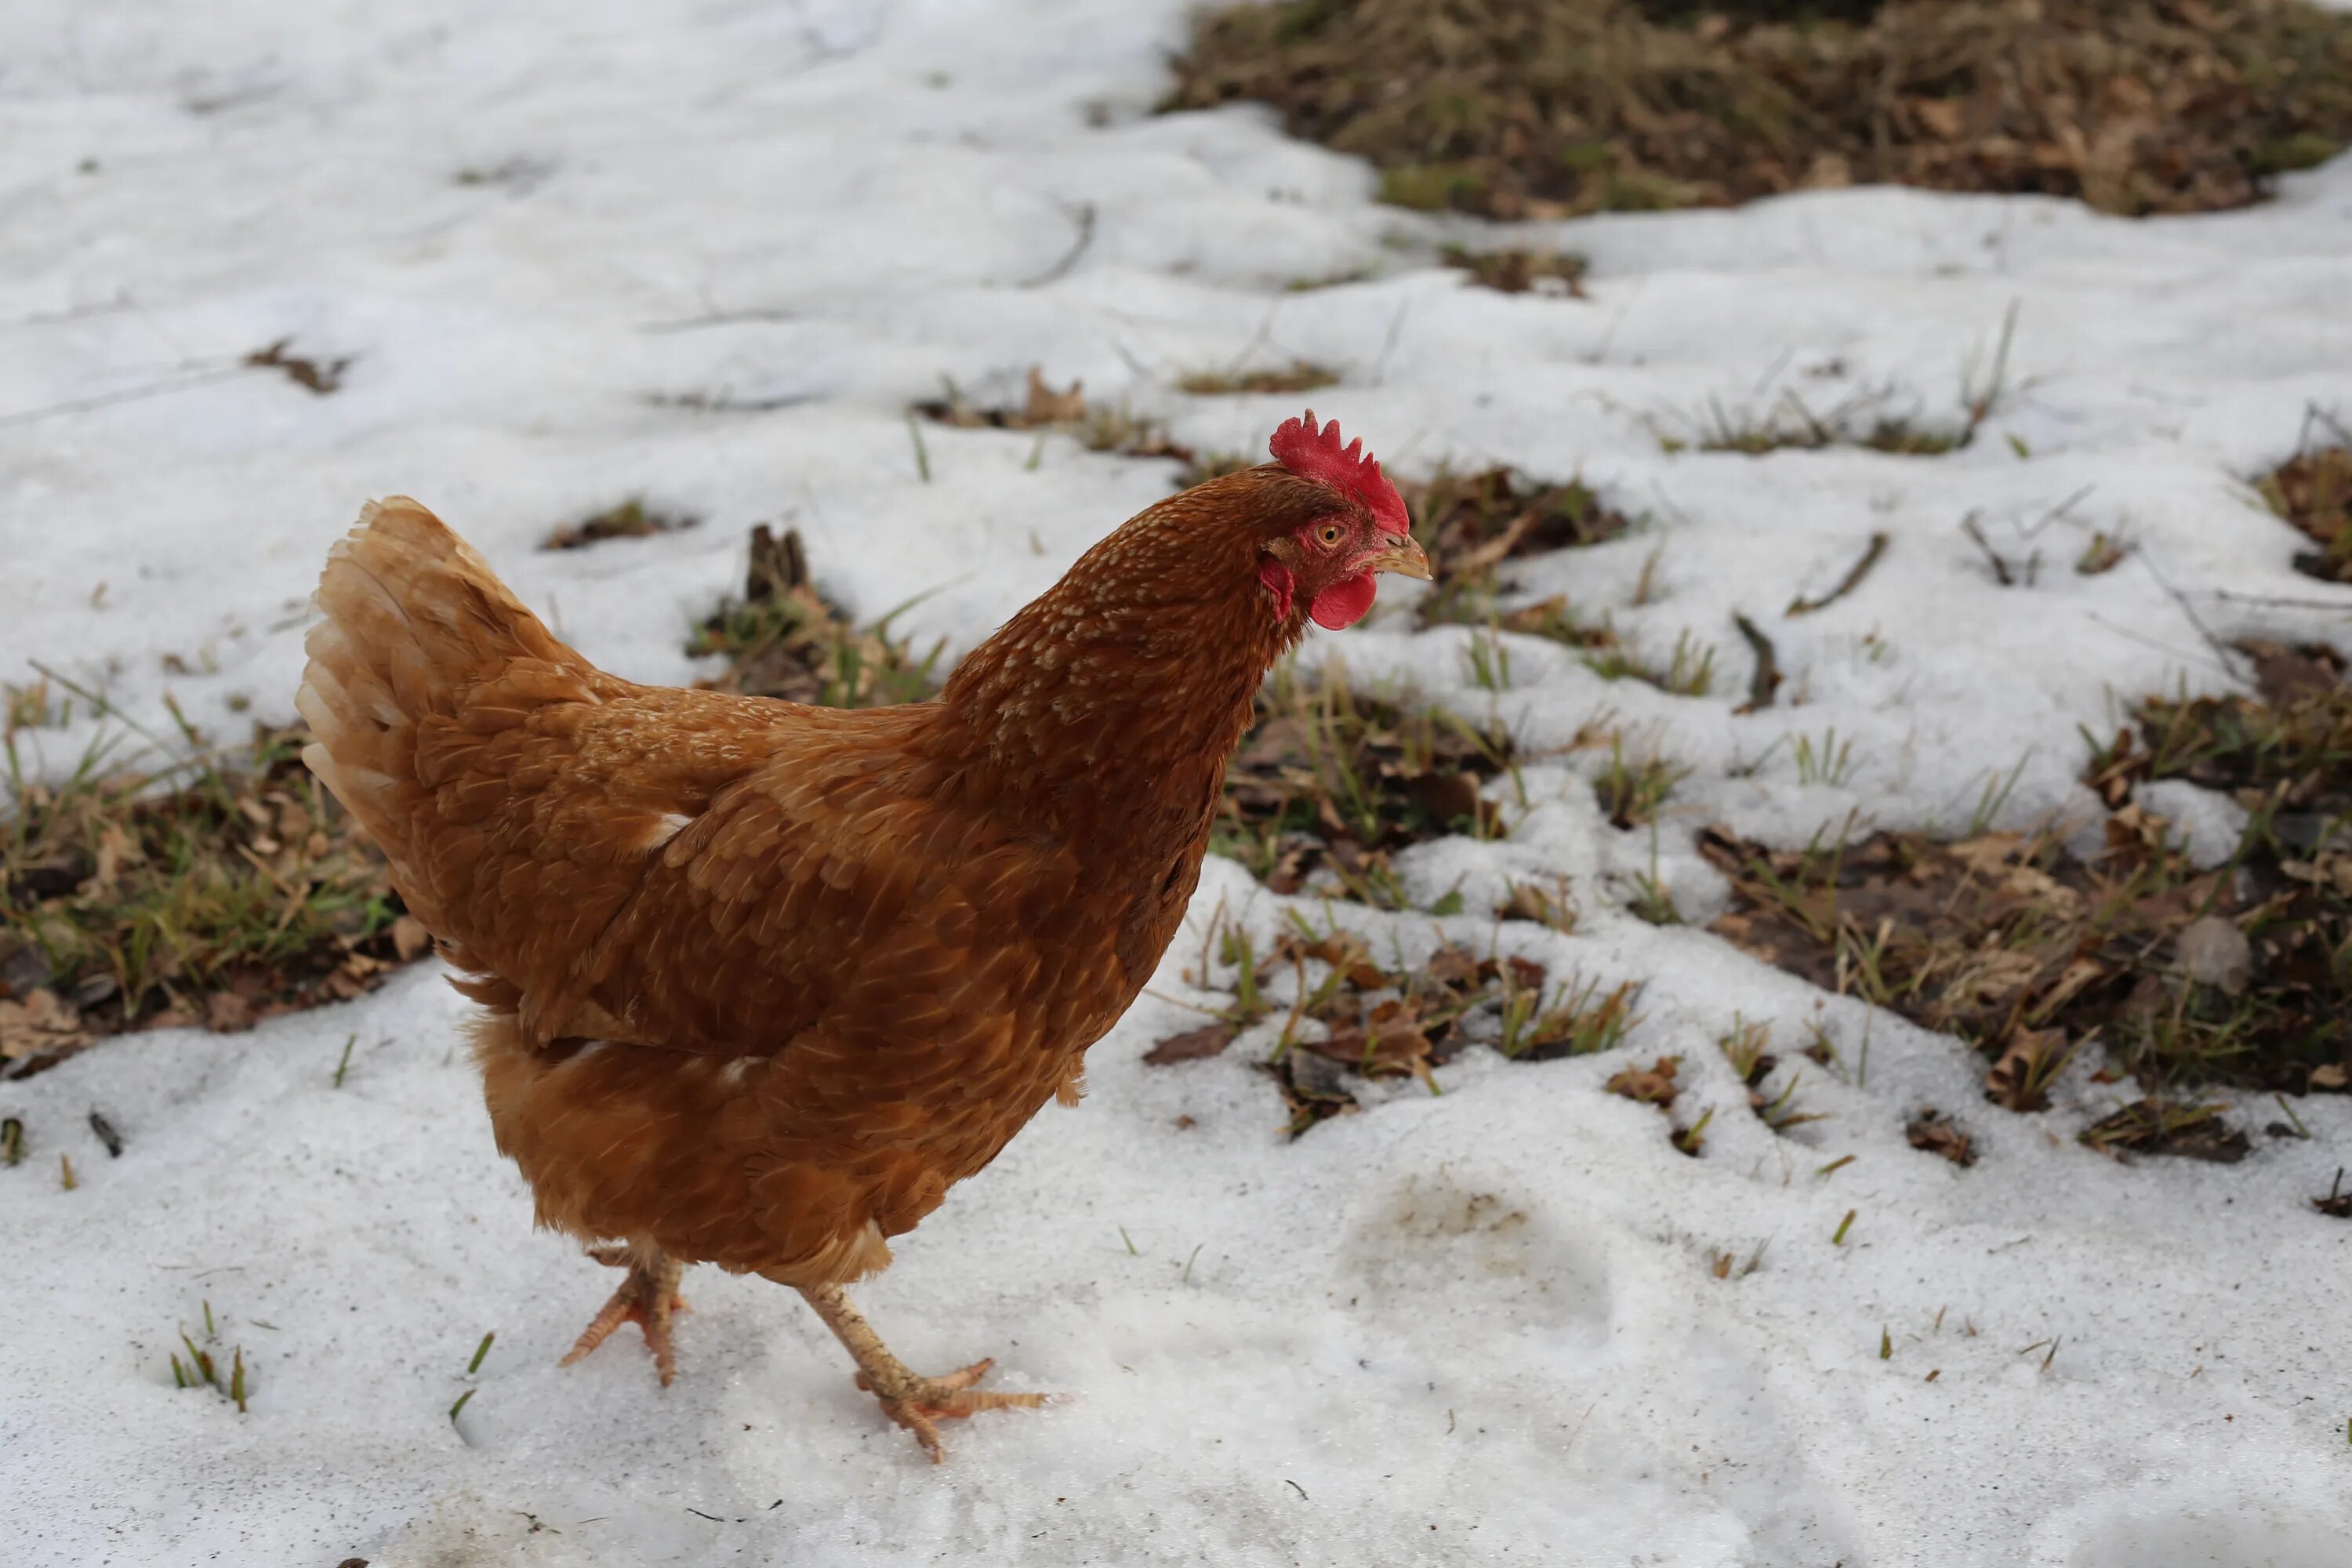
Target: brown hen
760	982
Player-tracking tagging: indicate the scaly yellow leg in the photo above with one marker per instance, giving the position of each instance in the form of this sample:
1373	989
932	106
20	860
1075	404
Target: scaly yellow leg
648	1297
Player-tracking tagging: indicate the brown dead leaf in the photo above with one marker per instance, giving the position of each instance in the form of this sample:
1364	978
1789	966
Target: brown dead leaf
1651	1085
1046	406
226	1012
1345	952
1388	1041
40	1024
2020	1078
1192	1046
1456	966
1943	117
1933	1132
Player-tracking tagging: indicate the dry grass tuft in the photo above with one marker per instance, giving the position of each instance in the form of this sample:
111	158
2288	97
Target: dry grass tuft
1560	273
2167	1127
2313	490
783	640
1527	108
216	891
1746	1047
1296	376
1068	412
1355	1018
1474	525
2240	975
1790	425
630	520
1936	1132
1331	780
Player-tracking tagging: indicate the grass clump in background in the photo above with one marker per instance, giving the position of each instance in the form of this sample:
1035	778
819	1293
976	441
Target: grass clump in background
1532	109
1100	428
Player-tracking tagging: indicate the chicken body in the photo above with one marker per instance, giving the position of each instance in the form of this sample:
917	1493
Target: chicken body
760	982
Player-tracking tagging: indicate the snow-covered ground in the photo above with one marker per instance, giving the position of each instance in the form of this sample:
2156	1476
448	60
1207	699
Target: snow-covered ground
1480	1328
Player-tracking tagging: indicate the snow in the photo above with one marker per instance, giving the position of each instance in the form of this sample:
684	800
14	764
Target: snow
1481	1327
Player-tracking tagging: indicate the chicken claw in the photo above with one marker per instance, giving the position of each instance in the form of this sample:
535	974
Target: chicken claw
648	1297
929	1400
916	1403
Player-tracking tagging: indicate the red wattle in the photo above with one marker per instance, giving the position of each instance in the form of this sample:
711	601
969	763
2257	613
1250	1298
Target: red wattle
1280	584
1343	604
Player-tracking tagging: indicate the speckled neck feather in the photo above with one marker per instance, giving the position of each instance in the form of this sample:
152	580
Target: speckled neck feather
1109	706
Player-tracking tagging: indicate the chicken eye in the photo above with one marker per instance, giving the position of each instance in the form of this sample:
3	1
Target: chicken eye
1328	534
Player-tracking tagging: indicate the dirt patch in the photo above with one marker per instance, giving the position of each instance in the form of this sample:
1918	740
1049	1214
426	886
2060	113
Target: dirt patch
1937	1134
1296	376
2313	490
783	638
1473	526
2233	975
2167	1127
1355	1018
1526	108
1559	273
218	892
1100	428
1331	780
633	519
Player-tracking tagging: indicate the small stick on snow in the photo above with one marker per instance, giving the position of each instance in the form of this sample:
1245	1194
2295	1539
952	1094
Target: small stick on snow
1083	214
1801	606
1766	678
106	1135
2000	570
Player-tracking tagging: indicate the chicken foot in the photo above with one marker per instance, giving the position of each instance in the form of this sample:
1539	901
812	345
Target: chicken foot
648	1297
914	1402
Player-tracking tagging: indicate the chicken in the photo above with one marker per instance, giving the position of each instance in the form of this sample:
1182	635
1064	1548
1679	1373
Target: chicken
760	982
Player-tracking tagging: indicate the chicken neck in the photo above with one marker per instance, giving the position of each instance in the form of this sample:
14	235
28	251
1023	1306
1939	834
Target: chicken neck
1110	705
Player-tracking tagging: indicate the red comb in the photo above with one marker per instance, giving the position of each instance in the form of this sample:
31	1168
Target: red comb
1311	454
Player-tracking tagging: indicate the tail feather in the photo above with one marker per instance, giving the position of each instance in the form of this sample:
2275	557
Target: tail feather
412	622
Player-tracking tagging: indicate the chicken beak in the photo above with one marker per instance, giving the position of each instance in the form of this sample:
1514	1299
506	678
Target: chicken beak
1403	555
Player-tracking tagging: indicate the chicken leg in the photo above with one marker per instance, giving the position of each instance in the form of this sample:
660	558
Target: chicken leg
914	1402
648	1297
